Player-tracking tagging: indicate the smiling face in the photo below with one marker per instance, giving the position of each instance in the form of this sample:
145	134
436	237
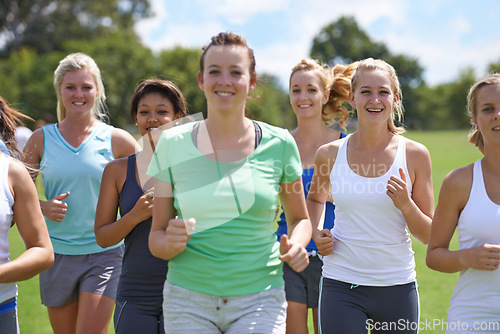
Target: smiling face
154	110
226	79
373	96
487	113
78	92
307	95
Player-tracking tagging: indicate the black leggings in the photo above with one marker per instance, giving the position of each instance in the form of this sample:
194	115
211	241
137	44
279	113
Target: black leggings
346	308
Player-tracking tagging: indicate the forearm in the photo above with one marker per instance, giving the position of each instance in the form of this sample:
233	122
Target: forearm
111	234
418	222
301	232
159	245
32	262
445	260
316	214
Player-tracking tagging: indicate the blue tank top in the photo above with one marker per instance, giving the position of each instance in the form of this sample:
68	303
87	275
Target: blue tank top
328	223
77	170
143	275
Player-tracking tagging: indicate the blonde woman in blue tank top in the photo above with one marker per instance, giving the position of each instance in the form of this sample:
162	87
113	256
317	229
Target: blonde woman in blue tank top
381	186
469	202
80	288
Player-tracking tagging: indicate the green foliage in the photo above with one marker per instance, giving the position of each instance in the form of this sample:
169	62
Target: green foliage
44	25
444	106
269	104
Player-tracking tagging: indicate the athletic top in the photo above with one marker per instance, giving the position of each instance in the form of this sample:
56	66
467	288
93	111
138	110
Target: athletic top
232	250
79	171
7	290
371	244
476	297
143	275
307	174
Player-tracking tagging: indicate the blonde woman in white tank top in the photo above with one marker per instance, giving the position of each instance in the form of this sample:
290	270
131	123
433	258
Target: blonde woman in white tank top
469	201
381	185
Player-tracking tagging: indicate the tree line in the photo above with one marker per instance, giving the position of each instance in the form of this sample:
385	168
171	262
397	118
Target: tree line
36	34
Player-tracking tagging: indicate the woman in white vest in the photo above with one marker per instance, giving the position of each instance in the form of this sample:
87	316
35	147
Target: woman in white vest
469	202
18	205
381	186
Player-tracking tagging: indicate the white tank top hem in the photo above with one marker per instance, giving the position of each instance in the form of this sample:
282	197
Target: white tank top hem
371	244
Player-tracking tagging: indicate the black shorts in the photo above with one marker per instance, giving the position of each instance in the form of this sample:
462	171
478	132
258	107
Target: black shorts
348	308
303	287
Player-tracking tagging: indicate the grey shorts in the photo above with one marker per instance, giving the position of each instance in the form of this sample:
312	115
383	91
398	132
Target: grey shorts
303	287
188	311
71	274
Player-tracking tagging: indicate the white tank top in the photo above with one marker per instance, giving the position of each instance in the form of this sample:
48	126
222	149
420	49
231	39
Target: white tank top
7	290
371	244
476	298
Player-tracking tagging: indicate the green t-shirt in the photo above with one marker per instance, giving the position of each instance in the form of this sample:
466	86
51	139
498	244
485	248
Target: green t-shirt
232	250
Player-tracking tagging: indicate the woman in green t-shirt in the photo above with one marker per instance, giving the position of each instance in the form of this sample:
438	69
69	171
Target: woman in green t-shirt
224	175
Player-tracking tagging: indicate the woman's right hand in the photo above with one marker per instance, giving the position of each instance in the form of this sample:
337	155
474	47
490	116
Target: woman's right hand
55	209
324	241
143	208
178	233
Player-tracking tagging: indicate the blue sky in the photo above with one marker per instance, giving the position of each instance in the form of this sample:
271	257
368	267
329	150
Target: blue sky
446	36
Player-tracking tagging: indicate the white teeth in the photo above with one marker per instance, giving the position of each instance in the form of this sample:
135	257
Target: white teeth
496	128
224	94
374	110
304	105
79	103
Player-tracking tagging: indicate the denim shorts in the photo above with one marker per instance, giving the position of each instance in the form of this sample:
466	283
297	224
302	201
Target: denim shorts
71	274
188	311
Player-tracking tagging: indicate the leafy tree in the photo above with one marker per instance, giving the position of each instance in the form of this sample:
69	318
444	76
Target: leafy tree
270	104
44	25
494	68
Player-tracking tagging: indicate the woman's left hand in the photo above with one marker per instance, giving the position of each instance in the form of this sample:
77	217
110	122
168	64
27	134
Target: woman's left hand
293	253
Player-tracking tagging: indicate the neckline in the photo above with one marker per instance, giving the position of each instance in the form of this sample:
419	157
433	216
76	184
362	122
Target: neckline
483	183
192	144
82	144
373	177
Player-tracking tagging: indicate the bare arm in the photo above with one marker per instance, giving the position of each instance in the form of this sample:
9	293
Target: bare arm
452	199
299	227
39	254
169	236
108	230
418	208
319	194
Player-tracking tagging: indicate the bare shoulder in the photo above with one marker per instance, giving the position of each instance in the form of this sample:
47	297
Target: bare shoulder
459	179
414	148
116	168
327	154
124	144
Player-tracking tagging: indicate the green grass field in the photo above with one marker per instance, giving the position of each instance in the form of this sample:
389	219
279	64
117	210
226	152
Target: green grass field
448	150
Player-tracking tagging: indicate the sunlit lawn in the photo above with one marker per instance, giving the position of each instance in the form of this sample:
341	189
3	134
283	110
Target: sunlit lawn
448	150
